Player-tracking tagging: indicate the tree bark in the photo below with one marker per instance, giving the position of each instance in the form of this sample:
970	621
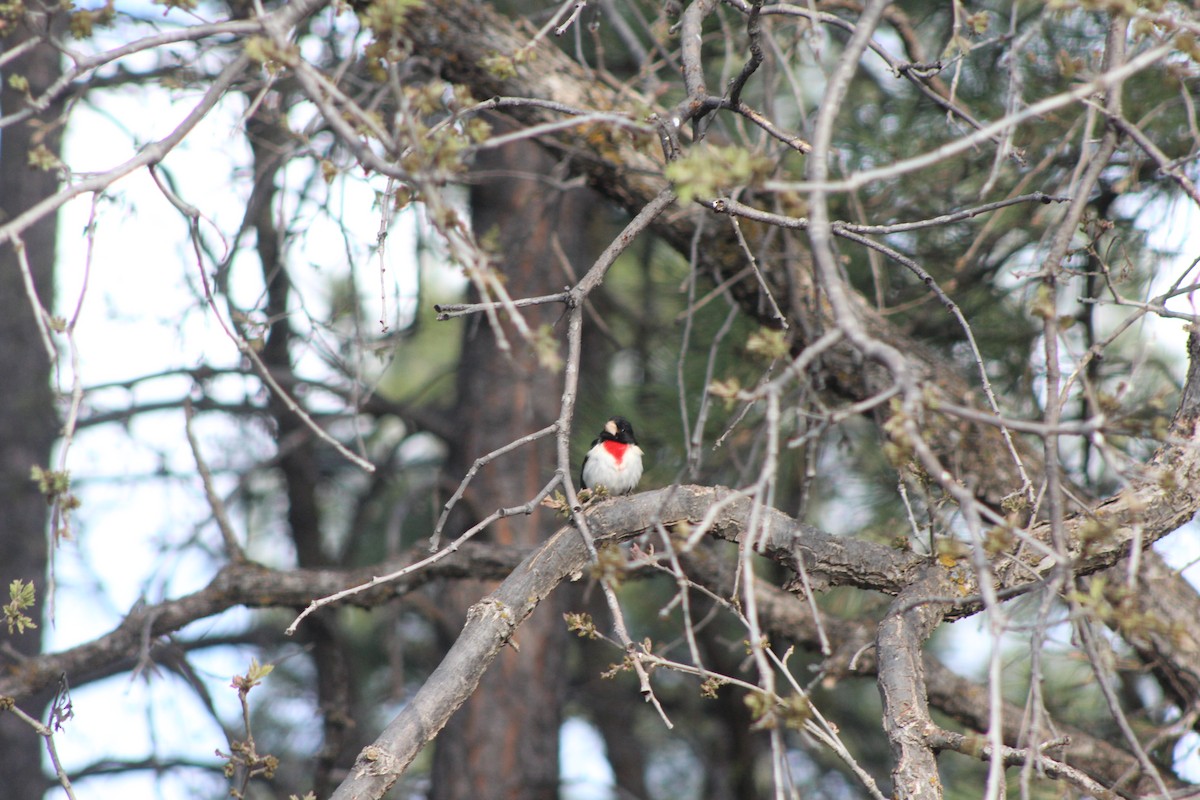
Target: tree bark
503	743
26	401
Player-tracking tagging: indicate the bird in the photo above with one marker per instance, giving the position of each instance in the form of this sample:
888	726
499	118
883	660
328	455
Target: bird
614	461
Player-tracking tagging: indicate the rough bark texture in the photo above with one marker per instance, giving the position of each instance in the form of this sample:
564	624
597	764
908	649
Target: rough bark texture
902	635
1163	628
494	620
26	401
503	743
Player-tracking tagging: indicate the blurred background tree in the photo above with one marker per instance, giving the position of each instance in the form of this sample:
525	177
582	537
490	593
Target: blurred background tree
915	276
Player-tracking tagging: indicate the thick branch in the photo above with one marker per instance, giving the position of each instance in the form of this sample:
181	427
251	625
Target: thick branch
967	702
492	621
902	687
788	619
245	584
836	560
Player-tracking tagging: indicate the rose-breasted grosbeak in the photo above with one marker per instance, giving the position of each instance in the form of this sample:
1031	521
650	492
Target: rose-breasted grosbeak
615	460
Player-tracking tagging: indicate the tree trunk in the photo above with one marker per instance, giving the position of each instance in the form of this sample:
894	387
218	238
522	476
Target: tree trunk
26	401
503	743
269	139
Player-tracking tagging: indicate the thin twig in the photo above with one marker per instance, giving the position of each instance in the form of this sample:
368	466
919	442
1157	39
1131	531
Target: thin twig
40	315
728	205
754	33
762	282
940	154
193	216
215	503
47	734
580	5
448	550
152	153
1091	644
480	462
447	311
1008	756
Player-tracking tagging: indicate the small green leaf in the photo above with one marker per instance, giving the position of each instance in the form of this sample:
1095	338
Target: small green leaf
726	390
499	66
545	344
709	170
767	344
41	157
582	625
182	5
22	596
253	677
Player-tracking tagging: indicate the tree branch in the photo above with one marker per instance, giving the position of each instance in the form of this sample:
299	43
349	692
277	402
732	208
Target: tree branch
243	584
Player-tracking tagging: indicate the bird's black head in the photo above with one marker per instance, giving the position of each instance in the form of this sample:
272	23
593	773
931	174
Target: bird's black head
618	429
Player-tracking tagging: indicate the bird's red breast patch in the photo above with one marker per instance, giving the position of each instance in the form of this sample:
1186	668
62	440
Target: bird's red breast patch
616	450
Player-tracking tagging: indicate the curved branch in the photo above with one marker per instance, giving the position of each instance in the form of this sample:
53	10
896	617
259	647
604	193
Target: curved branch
283	19
492	621
830	560
241	584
